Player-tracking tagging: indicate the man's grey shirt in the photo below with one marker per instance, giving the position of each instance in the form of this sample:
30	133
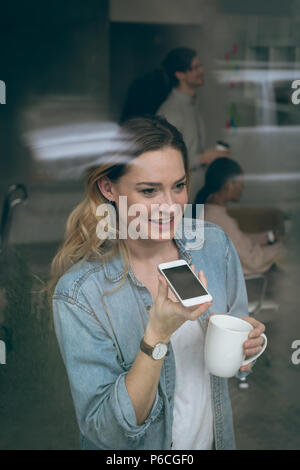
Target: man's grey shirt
182	111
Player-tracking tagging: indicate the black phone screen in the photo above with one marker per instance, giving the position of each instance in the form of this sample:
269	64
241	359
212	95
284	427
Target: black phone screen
184	282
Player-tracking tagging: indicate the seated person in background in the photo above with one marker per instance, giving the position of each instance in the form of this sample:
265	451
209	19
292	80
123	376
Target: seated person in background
224	184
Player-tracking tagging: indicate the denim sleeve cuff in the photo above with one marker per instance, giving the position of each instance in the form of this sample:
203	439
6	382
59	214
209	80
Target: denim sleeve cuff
125	413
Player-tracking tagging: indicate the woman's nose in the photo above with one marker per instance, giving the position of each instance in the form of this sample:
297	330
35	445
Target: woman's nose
168	198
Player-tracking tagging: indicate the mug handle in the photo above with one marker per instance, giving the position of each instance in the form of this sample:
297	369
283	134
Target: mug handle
252	358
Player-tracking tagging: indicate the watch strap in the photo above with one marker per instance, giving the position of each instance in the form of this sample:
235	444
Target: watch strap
147	349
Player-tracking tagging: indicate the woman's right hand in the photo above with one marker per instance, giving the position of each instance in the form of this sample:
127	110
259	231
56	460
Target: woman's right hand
166	315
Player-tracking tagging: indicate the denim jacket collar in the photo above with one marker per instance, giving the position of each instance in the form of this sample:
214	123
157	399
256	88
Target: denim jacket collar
114	268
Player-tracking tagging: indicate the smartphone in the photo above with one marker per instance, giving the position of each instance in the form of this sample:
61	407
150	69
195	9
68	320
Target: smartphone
184	283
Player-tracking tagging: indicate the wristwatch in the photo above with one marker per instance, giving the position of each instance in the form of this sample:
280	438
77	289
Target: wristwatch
157	352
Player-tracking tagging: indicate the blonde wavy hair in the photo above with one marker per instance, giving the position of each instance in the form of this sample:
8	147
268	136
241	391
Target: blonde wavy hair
81	241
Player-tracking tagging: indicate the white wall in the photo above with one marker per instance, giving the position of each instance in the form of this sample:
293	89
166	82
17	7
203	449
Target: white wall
158	11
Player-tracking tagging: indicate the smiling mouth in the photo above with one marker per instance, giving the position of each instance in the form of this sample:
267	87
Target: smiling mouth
162	221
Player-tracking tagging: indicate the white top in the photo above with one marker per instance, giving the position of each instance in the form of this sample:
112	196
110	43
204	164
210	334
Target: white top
193	416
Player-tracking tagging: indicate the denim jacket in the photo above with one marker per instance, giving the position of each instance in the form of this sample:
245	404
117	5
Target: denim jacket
99	346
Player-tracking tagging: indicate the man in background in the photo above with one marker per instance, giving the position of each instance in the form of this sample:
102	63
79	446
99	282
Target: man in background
180	108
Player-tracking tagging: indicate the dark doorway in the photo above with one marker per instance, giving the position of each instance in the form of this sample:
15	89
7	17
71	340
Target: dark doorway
138	48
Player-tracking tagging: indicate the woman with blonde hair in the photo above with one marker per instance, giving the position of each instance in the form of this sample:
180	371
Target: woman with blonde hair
112	311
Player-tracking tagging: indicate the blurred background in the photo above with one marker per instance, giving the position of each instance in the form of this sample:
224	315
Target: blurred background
67	67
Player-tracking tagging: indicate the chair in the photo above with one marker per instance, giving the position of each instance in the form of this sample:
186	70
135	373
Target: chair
255	220
16	194
259	219
255	307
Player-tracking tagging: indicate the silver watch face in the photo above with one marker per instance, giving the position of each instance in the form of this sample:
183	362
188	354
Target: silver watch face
159	351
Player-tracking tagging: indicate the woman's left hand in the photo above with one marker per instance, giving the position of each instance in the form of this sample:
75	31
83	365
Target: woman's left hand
253	344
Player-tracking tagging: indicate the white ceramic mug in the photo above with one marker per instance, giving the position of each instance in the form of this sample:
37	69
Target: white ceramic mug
224	354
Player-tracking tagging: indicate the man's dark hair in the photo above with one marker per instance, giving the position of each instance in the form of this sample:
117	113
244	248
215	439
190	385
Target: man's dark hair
145	94
178	60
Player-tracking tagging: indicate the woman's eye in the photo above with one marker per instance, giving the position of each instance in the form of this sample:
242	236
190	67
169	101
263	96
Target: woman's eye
181	185
148	191
151	191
